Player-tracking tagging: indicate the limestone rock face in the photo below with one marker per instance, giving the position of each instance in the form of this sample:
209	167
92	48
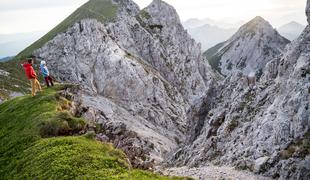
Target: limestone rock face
263	129
140	70
291	105
157	36
249	50
147	89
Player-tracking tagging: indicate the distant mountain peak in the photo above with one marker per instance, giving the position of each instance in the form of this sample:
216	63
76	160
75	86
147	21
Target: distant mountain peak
293	23
248	50
257	23
291	30
259	19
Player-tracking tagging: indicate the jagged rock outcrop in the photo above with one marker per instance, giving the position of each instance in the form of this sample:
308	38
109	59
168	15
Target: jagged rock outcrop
265	130
157	36
249	50
141	70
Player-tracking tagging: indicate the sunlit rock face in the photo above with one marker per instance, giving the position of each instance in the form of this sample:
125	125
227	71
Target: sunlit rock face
141	70
248	50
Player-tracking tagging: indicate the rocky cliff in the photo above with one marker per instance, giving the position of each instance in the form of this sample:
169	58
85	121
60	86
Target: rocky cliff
265	130
141	74
249	50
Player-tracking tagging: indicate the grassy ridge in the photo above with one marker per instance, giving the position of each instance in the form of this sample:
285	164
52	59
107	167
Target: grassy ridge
102	10
25	154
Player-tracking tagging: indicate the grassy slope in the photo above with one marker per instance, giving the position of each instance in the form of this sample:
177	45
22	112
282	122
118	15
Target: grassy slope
102	10
213	58
25	154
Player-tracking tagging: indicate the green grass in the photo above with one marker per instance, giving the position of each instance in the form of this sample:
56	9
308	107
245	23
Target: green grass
145	14
214	55
102	10
26	154
19	120
213	58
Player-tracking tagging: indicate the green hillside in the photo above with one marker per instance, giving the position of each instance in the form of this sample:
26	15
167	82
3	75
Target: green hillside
15	82
102	10
36	142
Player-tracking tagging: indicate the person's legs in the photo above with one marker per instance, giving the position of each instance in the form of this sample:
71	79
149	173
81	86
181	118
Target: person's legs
51	80
38	85
33	87
46	81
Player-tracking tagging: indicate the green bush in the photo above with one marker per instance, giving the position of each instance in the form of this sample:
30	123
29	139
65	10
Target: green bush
145	14
62	123
158	26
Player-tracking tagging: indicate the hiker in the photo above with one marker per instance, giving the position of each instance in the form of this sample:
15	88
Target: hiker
32	76
46	74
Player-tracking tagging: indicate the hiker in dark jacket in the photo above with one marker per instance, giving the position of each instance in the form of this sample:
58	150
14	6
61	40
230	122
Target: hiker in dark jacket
32	76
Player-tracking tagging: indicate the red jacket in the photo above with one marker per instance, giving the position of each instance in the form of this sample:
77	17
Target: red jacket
30	73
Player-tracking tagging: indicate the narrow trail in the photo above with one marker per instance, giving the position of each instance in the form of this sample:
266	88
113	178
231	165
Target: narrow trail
213	173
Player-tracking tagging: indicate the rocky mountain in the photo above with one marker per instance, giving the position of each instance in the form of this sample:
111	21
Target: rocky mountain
249	50
265	130
291	30
209	35
140	71
146	87
6	59
194	23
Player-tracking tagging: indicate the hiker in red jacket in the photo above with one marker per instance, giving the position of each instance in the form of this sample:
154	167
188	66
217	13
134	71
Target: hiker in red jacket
32	76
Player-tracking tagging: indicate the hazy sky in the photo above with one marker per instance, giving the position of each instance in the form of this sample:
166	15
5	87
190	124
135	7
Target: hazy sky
18	16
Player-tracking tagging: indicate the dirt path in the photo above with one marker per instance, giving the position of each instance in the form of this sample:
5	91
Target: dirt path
213	173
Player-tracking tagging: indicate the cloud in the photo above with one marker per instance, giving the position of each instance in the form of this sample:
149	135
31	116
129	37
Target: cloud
12	5
32	15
